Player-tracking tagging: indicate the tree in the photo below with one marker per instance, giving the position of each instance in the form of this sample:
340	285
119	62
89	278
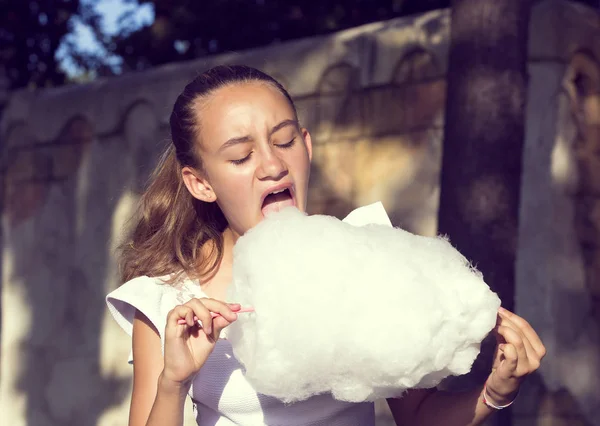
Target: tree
483	140
32	31
186	29
30	34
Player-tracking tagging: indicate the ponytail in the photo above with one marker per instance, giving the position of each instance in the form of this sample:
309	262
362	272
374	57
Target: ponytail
172	229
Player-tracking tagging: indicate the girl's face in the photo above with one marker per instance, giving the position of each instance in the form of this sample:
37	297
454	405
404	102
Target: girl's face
256	157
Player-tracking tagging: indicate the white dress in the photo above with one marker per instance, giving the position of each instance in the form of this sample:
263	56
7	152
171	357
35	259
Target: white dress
220	392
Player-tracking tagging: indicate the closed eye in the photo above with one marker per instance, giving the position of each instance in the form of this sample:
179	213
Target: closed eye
287	145
241	160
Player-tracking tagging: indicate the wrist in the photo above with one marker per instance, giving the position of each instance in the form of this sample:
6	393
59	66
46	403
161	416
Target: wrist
495	400
173	387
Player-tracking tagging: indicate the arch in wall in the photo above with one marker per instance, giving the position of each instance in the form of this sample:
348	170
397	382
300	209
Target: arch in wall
73	140
339	106
77	130
416	65
338	79
144	140
17	135
413	99
23	170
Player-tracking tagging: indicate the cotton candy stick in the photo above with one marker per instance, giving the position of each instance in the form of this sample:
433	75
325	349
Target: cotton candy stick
215	315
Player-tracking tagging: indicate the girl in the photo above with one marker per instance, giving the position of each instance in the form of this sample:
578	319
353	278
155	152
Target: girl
239	153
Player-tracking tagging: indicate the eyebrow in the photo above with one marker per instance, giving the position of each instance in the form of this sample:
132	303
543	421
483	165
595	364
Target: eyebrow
248	138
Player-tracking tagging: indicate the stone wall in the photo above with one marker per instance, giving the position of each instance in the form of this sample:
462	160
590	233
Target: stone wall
75	160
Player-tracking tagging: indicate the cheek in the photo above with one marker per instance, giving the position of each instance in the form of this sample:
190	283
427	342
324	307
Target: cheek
301	162
232	186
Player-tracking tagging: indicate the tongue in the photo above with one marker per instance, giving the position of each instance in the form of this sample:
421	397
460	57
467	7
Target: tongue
276	202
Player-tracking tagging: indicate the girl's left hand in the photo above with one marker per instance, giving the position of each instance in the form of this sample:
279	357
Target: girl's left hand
519	352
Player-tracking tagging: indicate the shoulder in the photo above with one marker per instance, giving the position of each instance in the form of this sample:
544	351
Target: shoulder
154	297
372	214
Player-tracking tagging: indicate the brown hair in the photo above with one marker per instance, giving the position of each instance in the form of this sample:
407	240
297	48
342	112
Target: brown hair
172	226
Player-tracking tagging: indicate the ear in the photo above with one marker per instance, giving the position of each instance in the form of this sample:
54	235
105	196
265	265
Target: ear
198	185
307	142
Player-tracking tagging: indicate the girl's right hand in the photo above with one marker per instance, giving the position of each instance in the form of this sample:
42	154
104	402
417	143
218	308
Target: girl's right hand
187	346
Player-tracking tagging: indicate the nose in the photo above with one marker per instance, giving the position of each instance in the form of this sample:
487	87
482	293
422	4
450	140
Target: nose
271	167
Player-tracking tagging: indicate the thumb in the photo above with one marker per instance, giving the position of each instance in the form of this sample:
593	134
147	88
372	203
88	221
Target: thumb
508	361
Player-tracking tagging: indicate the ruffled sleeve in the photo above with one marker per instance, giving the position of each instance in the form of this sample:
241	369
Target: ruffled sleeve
153	297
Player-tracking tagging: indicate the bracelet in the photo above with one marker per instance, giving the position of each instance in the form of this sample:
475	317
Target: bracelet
489	404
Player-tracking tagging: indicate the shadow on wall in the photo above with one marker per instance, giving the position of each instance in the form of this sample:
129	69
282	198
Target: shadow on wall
49	236
560	232
583	90
64	210
380	143
584	96
538	405
60	203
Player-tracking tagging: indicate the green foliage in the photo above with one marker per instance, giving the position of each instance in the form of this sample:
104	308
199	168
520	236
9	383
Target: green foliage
186	29
30	33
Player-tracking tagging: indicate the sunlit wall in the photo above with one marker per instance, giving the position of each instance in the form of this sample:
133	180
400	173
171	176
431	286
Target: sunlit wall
373	98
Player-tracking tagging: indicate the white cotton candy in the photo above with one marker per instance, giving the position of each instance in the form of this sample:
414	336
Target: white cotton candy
361	312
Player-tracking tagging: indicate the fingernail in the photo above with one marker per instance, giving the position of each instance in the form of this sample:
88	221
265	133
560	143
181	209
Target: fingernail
501	347
235	306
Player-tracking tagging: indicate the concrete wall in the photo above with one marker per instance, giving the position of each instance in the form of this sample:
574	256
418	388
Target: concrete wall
558	279
76	160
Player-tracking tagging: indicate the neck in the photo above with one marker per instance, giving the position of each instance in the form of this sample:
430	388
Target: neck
215	284
229	240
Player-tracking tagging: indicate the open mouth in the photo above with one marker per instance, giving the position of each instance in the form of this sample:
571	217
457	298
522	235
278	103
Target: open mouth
277	200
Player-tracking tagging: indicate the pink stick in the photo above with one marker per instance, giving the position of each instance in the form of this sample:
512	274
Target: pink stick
215	315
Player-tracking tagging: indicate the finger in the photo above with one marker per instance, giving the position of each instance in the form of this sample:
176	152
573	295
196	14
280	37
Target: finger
508	365
527	330
202	312
513	339
181	312
234	306
531	353
220	308
219	323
